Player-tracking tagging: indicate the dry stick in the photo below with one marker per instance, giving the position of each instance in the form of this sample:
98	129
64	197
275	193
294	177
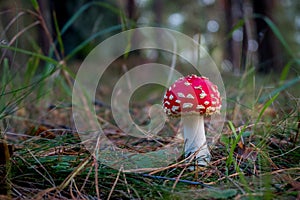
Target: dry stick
178	178
222	178
18	35
41	194
293	149
71	191
281	170
11	23
21	32
5	30
86	179
44	26
238	129
8	10
165	168
66	182
50	179
61	61
96	177
192	157
76	188
221	159
65	74
126	183
268	158
159	169
234	183
115	183
76	171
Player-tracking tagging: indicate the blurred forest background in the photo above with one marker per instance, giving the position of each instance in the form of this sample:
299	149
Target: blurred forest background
236	33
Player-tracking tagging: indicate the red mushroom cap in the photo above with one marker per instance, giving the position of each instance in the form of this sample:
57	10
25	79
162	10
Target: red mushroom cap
192	95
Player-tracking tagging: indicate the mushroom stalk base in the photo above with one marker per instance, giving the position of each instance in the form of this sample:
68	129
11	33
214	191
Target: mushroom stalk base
195	139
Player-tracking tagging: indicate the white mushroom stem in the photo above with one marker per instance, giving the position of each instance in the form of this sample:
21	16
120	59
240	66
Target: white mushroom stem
195	139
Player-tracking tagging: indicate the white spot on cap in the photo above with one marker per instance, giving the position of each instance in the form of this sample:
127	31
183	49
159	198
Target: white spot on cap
180	94
206	102
202	95
210	109
187	105
187	83
214	88
200	107
198	87
190	96
171	97
165	96
166	102
174	108
217	99
178	101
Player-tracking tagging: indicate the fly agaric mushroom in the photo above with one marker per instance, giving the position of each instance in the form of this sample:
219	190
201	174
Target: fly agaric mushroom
192	97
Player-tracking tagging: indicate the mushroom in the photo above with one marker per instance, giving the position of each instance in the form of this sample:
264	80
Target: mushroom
192	97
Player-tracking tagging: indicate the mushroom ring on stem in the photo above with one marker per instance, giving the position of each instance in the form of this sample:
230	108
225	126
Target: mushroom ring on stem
192	97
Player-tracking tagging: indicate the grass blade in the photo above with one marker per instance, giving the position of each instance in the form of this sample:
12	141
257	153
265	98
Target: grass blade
35	4
84	8
265	107
98	34
42	57
280	89
235	142
59	38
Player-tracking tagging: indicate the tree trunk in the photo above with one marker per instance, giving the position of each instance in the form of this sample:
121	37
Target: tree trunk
270	58
260	47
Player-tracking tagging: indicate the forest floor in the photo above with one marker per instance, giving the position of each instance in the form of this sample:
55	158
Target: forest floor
255	156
